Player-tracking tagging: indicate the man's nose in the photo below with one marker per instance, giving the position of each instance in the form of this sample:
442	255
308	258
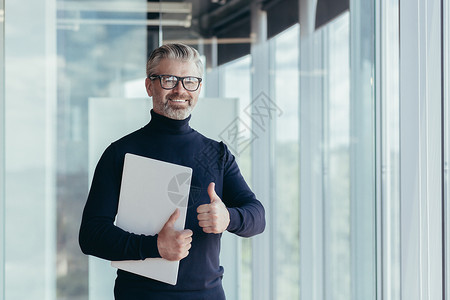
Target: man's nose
179	87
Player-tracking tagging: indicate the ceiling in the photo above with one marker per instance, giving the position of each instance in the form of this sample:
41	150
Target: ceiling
208	18
201	23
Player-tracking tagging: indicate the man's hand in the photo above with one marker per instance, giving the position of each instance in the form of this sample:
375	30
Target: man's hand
213	217
172	244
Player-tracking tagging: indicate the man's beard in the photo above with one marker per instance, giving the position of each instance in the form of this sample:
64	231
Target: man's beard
176	113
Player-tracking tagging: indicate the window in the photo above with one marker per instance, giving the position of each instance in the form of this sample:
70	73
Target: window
235	84
390	153
337	160
420	120
235	77
285	53
2	150
55	66
321	154
446	96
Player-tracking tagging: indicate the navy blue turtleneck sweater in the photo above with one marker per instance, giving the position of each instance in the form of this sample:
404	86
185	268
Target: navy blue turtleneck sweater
176	142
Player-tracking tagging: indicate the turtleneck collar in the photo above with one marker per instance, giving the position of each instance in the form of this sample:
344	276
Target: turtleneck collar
163	124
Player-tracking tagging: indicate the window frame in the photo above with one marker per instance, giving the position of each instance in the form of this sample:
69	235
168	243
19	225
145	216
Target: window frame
421	196
446	156
2	150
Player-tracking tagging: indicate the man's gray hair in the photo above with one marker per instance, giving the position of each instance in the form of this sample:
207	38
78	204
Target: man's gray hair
174	51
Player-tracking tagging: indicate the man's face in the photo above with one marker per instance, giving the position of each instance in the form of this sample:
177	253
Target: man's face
178	102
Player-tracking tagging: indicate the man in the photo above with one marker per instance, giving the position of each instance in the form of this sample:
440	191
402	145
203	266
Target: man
219	197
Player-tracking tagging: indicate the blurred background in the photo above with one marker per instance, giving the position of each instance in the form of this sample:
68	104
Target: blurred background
336	110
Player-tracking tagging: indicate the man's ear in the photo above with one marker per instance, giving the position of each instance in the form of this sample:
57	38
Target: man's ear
148	84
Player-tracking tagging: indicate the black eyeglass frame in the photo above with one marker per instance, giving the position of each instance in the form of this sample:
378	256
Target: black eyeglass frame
154	76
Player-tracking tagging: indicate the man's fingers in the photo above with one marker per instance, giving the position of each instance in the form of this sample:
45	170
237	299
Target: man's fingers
174	245
211	208
213	217
212	192
204	220
202	209
184	240
210	229
203	217
172	219
205	223
187	233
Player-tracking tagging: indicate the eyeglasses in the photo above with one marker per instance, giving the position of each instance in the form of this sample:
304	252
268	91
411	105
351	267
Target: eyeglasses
168	82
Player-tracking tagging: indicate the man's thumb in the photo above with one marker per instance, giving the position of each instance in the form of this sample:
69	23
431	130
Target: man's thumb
212	192
175	215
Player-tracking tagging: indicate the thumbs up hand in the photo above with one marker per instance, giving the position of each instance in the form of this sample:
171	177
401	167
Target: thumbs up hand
172	244
213	217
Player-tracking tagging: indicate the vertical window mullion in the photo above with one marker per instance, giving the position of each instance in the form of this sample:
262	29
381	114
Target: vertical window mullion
420	147
311	122
262	269
2	150
362	152
446	90
387	87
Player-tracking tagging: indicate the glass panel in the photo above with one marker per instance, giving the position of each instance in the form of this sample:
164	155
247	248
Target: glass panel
337	204
74	54
78	57
235	78
95	61
446	83
30	237
390	168
336	174
286	95
2	150
362	151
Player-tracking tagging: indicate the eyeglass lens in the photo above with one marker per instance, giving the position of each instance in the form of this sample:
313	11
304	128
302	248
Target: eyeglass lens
189	83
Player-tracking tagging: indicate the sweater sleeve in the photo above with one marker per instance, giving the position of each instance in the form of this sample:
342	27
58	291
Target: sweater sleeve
247	214
98	235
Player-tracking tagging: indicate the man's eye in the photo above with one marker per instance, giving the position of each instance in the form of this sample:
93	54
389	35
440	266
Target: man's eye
170	79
